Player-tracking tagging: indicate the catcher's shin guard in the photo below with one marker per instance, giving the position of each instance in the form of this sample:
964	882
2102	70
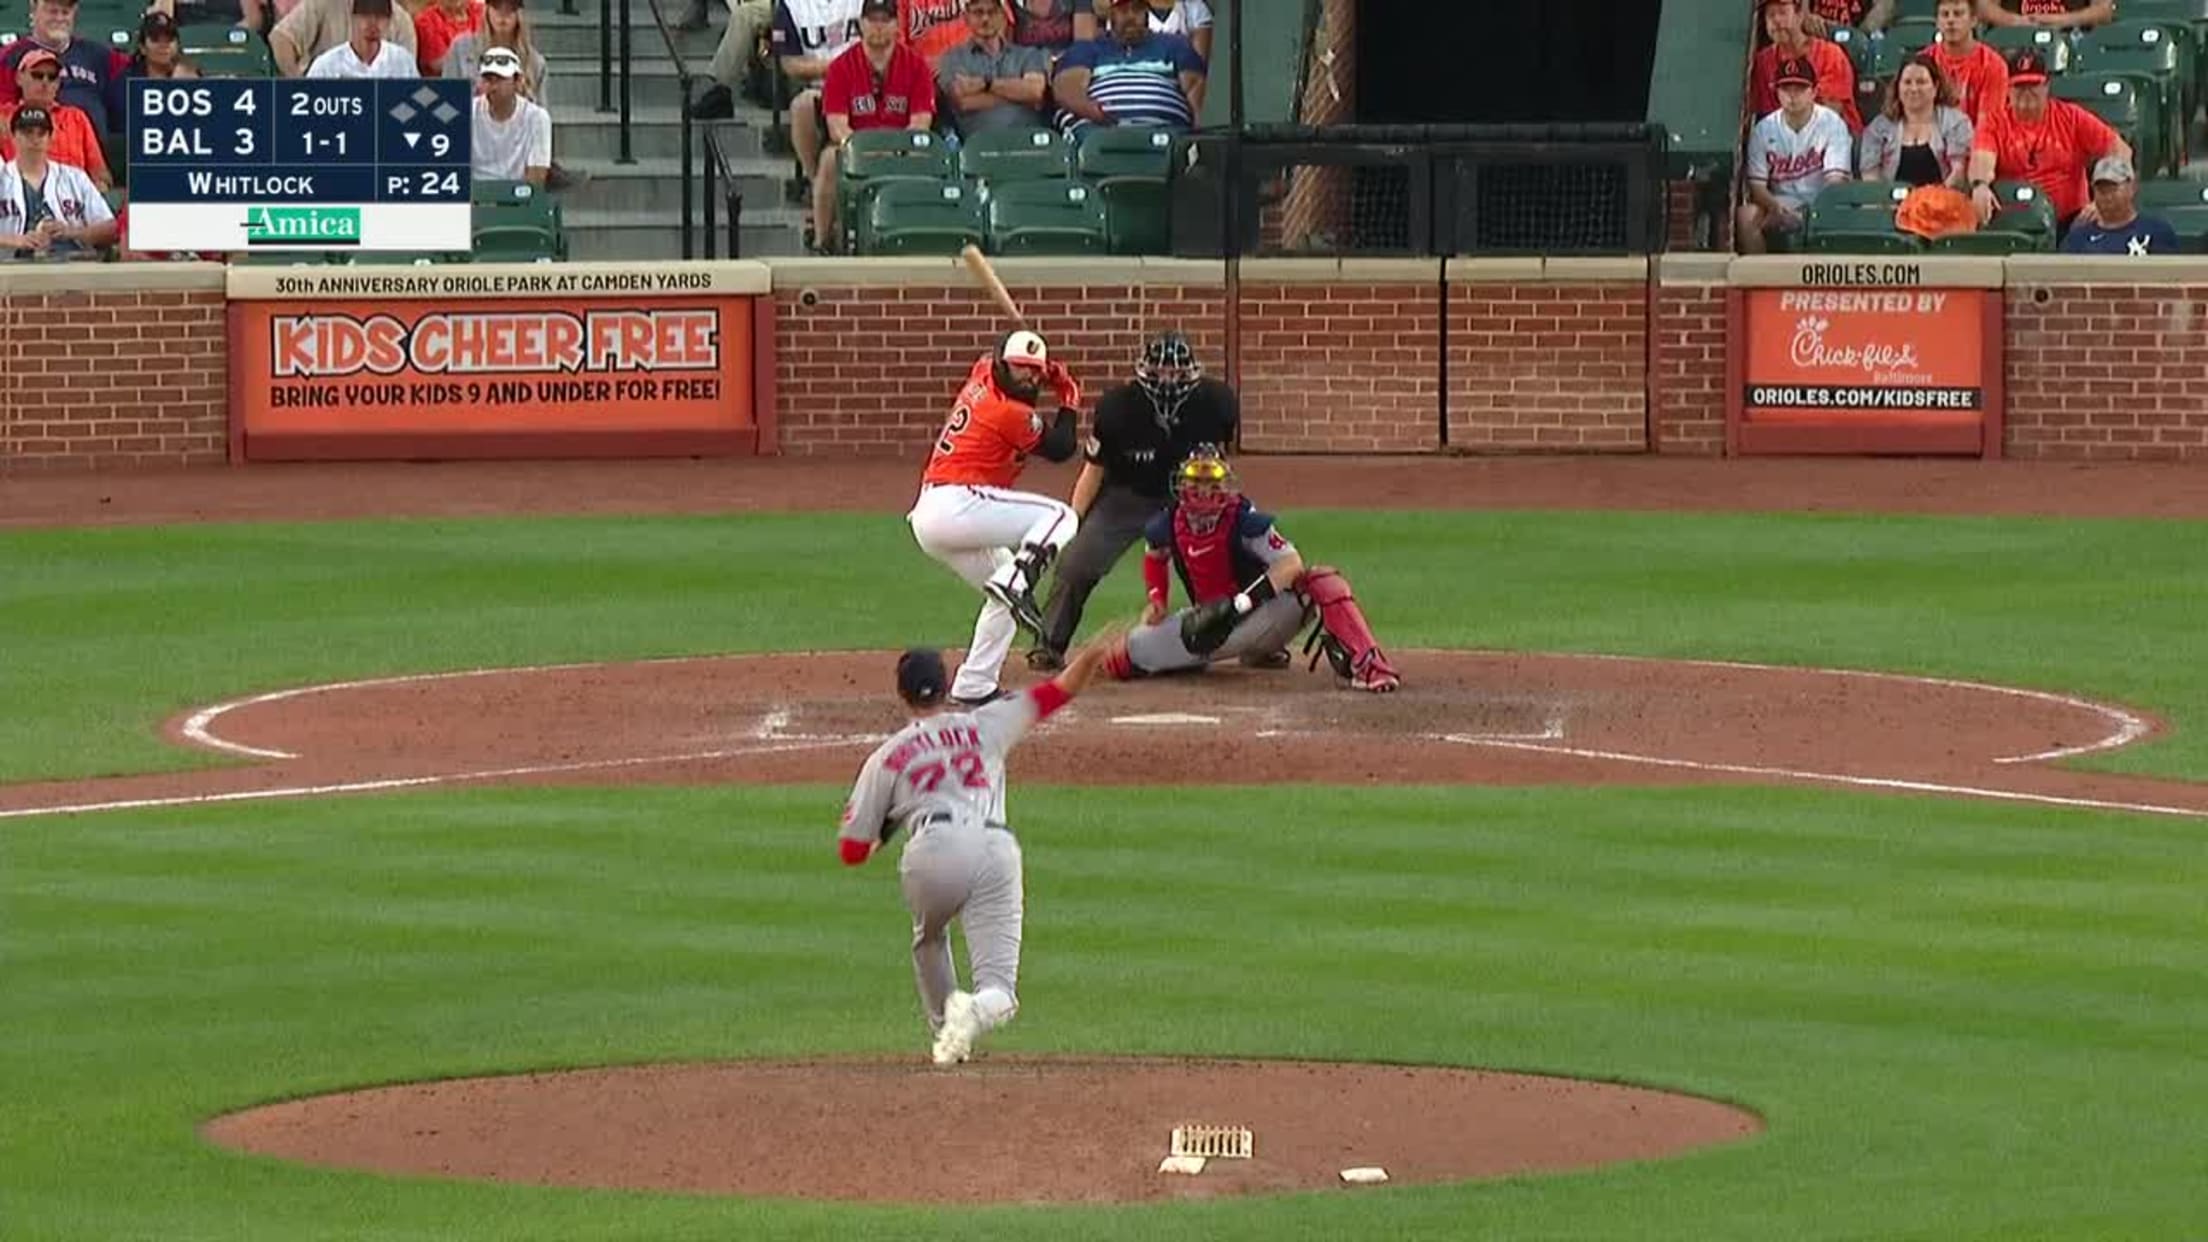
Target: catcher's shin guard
1342	633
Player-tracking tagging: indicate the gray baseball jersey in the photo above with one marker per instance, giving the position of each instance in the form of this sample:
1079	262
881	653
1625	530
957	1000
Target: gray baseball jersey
950	763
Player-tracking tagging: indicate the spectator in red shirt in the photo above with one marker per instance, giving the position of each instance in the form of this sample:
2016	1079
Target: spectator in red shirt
2056	14
75	142
2048	142
436	25
877	83
1782	22
1864	15
1980	76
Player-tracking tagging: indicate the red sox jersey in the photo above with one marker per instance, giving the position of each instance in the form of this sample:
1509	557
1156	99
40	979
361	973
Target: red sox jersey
885	100
951	763
1216	564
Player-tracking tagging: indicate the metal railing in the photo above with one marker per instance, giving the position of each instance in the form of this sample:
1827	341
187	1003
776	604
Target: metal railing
721	188
608	78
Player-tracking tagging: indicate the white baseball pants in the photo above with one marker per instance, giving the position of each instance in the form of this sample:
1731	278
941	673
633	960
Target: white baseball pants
974	531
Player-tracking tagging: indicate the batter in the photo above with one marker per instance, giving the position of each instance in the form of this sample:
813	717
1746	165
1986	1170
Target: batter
941	778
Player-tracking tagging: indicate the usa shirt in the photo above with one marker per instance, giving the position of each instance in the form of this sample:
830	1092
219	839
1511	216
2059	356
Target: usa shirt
1792	163
816	28
1139	85
2143	235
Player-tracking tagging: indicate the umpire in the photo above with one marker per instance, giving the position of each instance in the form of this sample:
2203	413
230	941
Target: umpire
1142	431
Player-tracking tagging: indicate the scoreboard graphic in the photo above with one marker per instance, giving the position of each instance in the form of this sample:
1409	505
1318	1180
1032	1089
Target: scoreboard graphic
244	164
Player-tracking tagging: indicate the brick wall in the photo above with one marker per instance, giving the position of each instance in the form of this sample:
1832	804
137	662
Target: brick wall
1341	368
1688	356
2108	371
112	377
1548	367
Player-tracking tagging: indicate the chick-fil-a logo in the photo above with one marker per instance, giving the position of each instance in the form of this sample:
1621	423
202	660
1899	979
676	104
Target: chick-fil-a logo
1873	357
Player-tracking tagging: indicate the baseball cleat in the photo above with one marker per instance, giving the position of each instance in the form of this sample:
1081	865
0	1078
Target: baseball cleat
961	1025
1044	660
1376	683
1021	603
981	700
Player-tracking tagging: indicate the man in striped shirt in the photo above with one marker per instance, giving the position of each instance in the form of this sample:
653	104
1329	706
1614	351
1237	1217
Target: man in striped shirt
1130	76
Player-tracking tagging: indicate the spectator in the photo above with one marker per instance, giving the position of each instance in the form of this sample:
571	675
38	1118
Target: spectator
2054	14
1130	75
734	56
1052	25
437	26
931	27
991	82
504	26
877	83
48	209
2048	142
91	72
1792	154
1782	24
2117	226
366	53
71	138
250	14
512	136
317	26
1979	75
1864	15
1919	137
160	51
1190	19
808	35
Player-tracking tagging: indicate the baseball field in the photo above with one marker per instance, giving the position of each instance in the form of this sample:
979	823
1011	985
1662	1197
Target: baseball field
1884	830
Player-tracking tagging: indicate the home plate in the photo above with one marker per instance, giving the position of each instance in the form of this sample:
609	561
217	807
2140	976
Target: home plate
1166	718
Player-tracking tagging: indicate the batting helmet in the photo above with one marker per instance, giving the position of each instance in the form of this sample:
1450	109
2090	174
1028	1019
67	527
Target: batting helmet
1021	362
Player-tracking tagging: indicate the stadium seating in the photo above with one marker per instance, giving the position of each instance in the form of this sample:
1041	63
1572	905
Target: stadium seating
1853	207
1046	217
2024	210
874	158
1016	155
908	216
516	223
228	52
2130	103
2009	40
1992	241
2157	51
2184	204
1131	167
1840	241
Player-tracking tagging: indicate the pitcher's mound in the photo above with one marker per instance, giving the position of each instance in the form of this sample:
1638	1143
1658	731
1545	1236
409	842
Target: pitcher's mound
999	1130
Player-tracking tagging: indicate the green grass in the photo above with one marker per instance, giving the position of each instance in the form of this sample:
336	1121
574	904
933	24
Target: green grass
107	631
1980	1025
1962	1020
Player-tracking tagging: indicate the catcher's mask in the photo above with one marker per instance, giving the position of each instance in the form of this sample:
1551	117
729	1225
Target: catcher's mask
1167	372
1020	366
1204	484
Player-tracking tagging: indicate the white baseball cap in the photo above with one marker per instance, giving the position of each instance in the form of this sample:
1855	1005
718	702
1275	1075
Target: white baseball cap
501	62
1024	348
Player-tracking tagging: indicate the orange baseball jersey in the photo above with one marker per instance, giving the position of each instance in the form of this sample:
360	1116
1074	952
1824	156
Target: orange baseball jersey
2052	152
1980	76
989	435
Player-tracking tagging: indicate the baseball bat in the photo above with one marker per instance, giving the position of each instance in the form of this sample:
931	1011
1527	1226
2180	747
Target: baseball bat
978	264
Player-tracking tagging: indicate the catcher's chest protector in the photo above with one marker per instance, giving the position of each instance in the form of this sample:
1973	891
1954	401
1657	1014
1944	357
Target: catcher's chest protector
1211	562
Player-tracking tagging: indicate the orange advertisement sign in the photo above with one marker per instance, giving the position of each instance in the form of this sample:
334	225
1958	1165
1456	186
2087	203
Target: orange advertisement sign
494	366
1842	354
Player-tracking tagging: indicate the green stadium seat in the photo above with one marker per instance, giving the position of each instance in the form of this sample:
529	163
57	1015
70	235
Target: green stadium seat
2184	204
1926	9
516	223
2161	50
2009	40
1909	38
1047	217
1016	155
1989	242
2024	210
2130	103
1841	241
1131	169
227	52
1856	44
909	216
874	158
1854	207
392	258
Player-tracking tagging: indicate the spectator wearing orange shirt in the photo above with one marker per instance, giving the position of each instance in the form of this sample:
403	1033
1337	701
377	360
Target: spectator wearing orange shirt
1782	23
437	25
1864	15
2054	14
75	142
2048	142
1979	75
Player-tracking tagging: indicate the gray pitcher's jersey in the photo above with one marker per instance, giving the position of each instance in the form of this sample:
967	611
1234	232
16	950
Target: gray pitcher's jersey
952	762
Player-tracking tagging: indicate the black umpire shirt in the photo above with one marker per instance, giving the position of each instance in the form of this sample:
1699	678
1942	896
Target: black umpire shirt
1138	454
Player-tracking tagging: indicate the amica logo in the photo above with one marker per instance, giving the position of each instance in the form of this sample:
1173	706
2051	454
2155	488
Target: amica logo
291	226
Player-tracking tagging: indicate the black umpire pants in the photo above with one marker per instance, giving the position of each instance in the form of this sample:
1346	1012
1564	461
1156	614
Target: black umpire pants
1113	524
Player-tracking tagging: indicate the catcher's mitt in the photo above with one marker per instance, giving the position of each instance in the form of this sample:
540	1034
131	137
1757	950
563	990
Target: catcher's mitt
1205	628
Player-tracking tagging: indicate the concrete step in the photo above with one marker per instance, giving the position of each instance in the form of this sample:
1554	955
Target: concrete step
557	34
653	187
654	133
572	83
619	236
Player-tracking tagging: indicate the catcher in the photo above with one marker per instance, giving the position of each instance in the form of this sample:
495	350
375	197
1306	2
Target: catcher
1249	588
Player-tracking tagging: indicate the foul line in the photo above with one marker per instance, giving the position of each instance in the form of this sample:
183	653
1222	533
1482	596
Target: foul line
1838	778
417	782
